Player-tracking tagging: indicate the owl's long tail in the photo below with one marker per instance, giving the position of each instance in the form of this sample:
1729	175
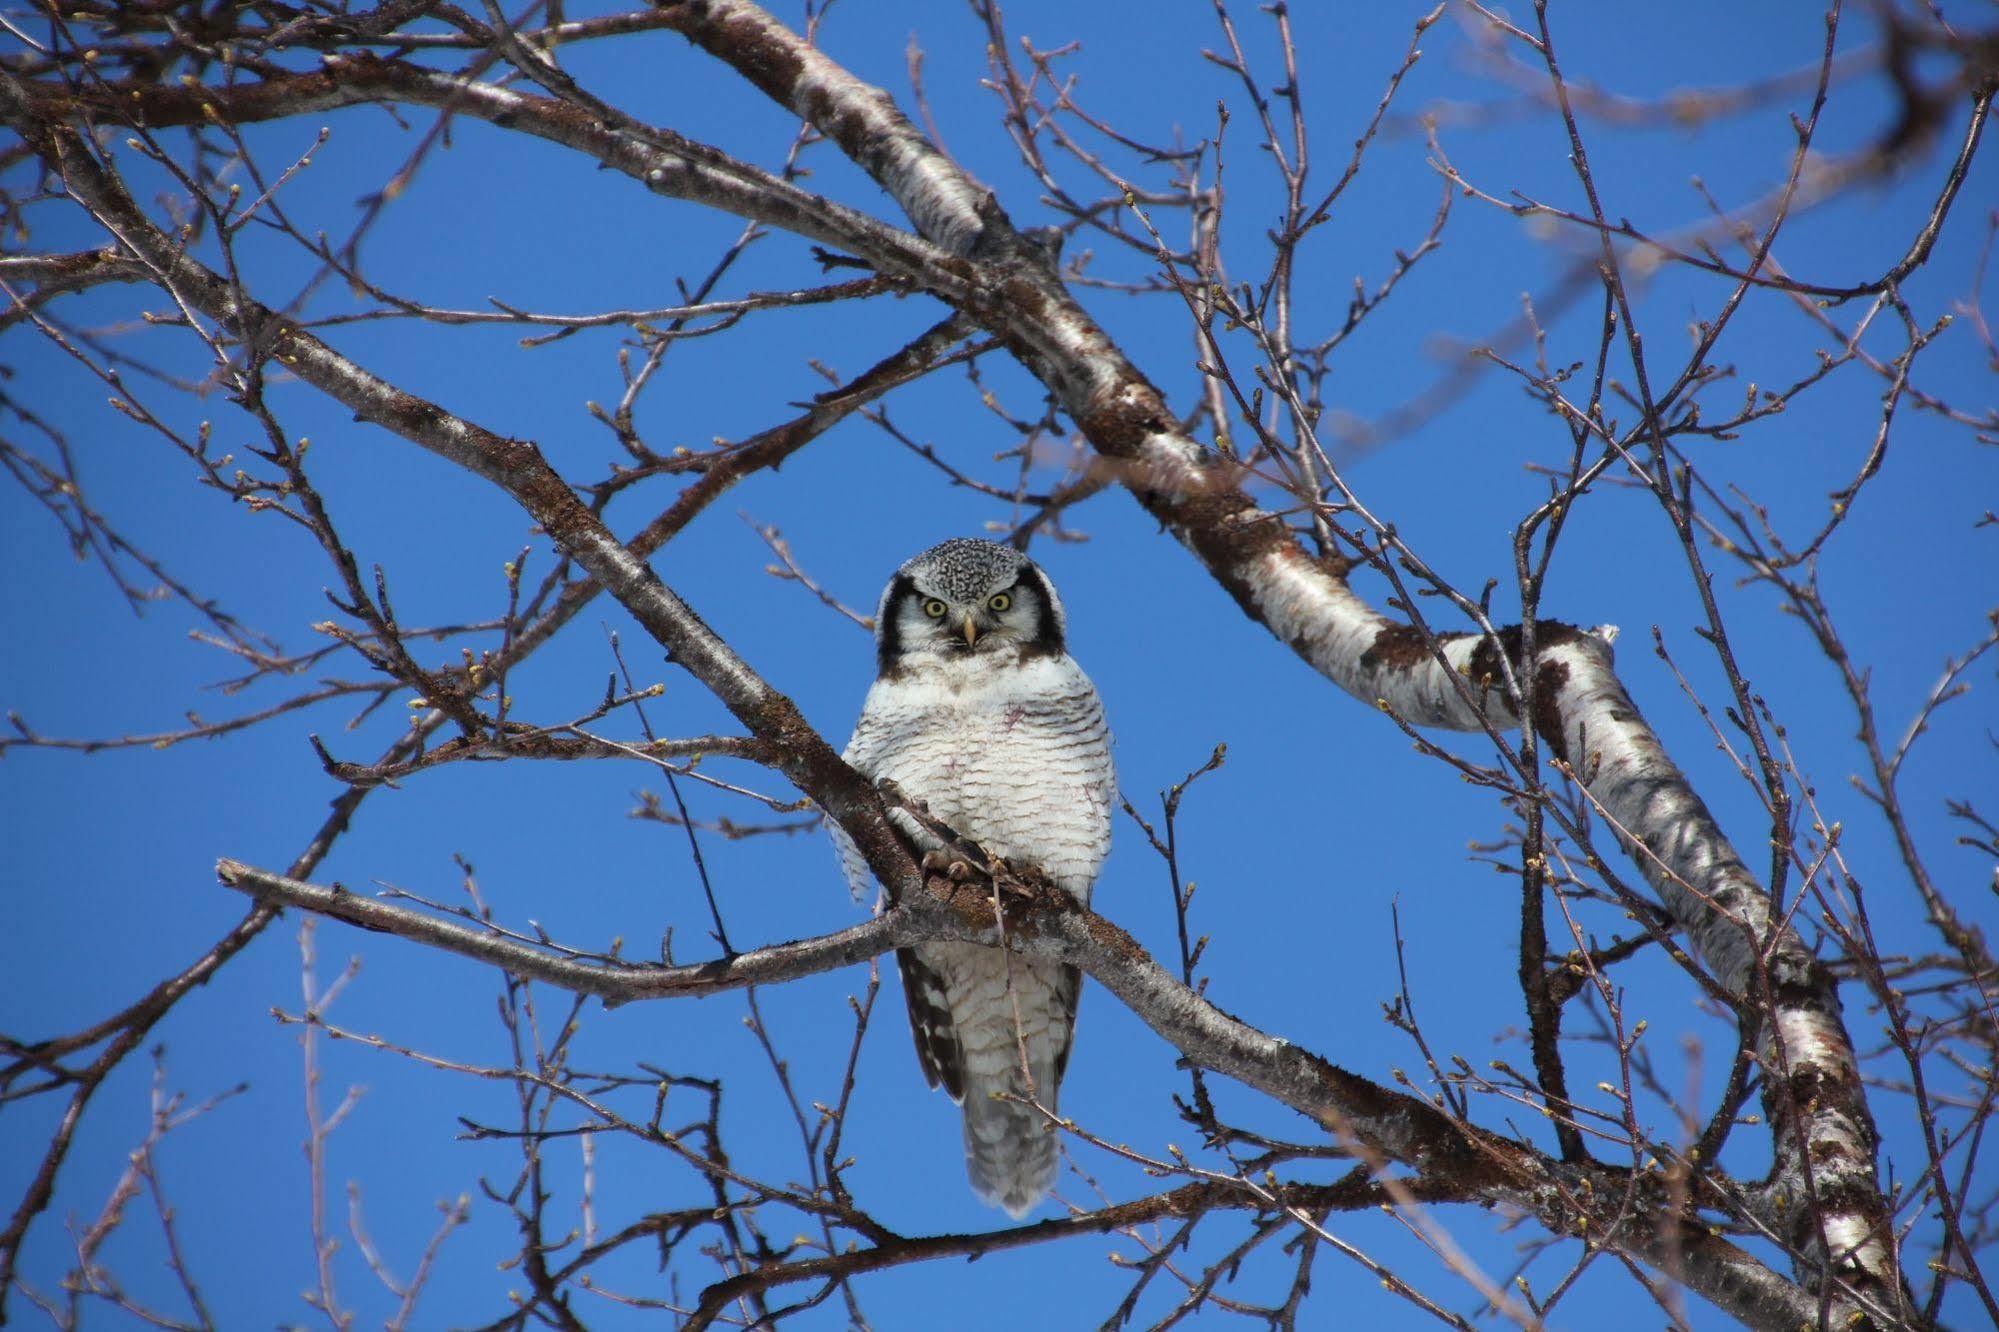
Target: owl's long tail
1010	1147
1011	1019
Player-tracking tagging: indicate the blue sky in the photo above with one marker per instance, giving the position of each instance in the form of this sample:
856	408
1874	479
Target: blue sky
1322	819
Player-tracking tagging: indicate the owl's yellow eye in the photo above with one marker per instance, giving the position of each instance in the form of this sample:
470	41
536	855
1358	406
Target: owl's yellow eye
999	601
934	608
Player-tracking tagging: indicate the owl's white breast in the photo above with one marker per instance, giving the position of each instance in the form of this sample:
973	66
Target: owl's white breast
1014	755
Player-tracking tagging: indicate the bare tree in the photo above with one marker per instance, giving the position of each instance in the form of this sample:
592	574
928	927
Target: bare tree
171	137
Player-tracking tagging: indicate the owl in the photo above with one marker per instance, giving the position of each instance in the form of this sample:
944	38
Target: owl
979	712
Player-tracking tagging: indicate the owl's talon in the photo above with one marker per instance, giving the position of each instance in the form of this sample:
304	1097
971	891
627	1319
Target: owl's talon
945	862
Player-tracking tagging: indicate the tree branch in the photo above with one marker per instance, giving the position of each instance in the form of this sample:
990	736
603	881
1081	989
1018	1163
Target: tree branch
608	978
1635	1214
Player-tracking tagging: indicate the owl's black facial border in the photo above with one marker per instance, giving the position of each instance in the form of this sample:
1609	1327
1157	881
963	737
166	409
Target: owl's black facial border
1047	629
888	634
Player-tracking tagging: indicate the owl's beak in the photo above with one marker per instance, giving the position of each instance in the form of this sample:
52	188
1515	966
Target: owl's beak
971	632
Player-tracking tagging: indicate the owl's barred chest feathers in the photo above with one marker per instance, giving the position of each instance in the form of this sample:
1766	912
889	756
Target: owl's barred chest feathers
1013	754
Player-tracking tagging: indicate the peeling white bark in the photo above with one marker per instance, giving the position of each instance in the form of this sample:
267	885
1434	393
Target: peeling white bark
931	189
1326	623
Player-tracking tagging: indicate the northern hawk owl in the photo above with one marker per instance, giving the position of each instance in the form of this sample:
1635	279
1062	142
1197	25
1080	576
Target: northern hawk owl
979	712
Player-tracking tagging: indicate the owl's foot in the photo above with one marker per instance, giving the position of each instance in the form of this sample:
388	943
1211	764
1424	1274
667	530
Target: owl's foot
948	863
1008	880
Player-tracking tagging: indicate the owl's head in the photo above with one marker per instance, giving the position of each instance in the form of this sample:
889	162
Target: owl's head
964	598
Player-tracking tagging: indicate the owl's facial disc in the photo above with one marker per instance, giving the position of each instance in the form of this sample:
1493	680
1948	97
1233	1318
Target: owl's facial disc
950	622
964	599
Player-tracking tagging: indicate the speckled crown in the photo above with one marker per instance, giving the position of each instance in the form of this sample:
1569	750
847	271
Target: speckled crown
964	567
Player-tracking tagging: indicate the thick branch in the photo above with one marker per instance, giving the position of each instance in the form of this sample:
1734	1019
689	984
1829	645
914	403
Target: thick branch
1349	1195
58	274
613	981
1610	1208
935	193
665	162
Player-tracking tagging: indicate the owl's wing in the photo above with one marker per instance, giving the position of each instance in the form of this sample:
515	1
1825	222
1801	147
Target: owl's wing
937	1048
1068	993
863	754
859	877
